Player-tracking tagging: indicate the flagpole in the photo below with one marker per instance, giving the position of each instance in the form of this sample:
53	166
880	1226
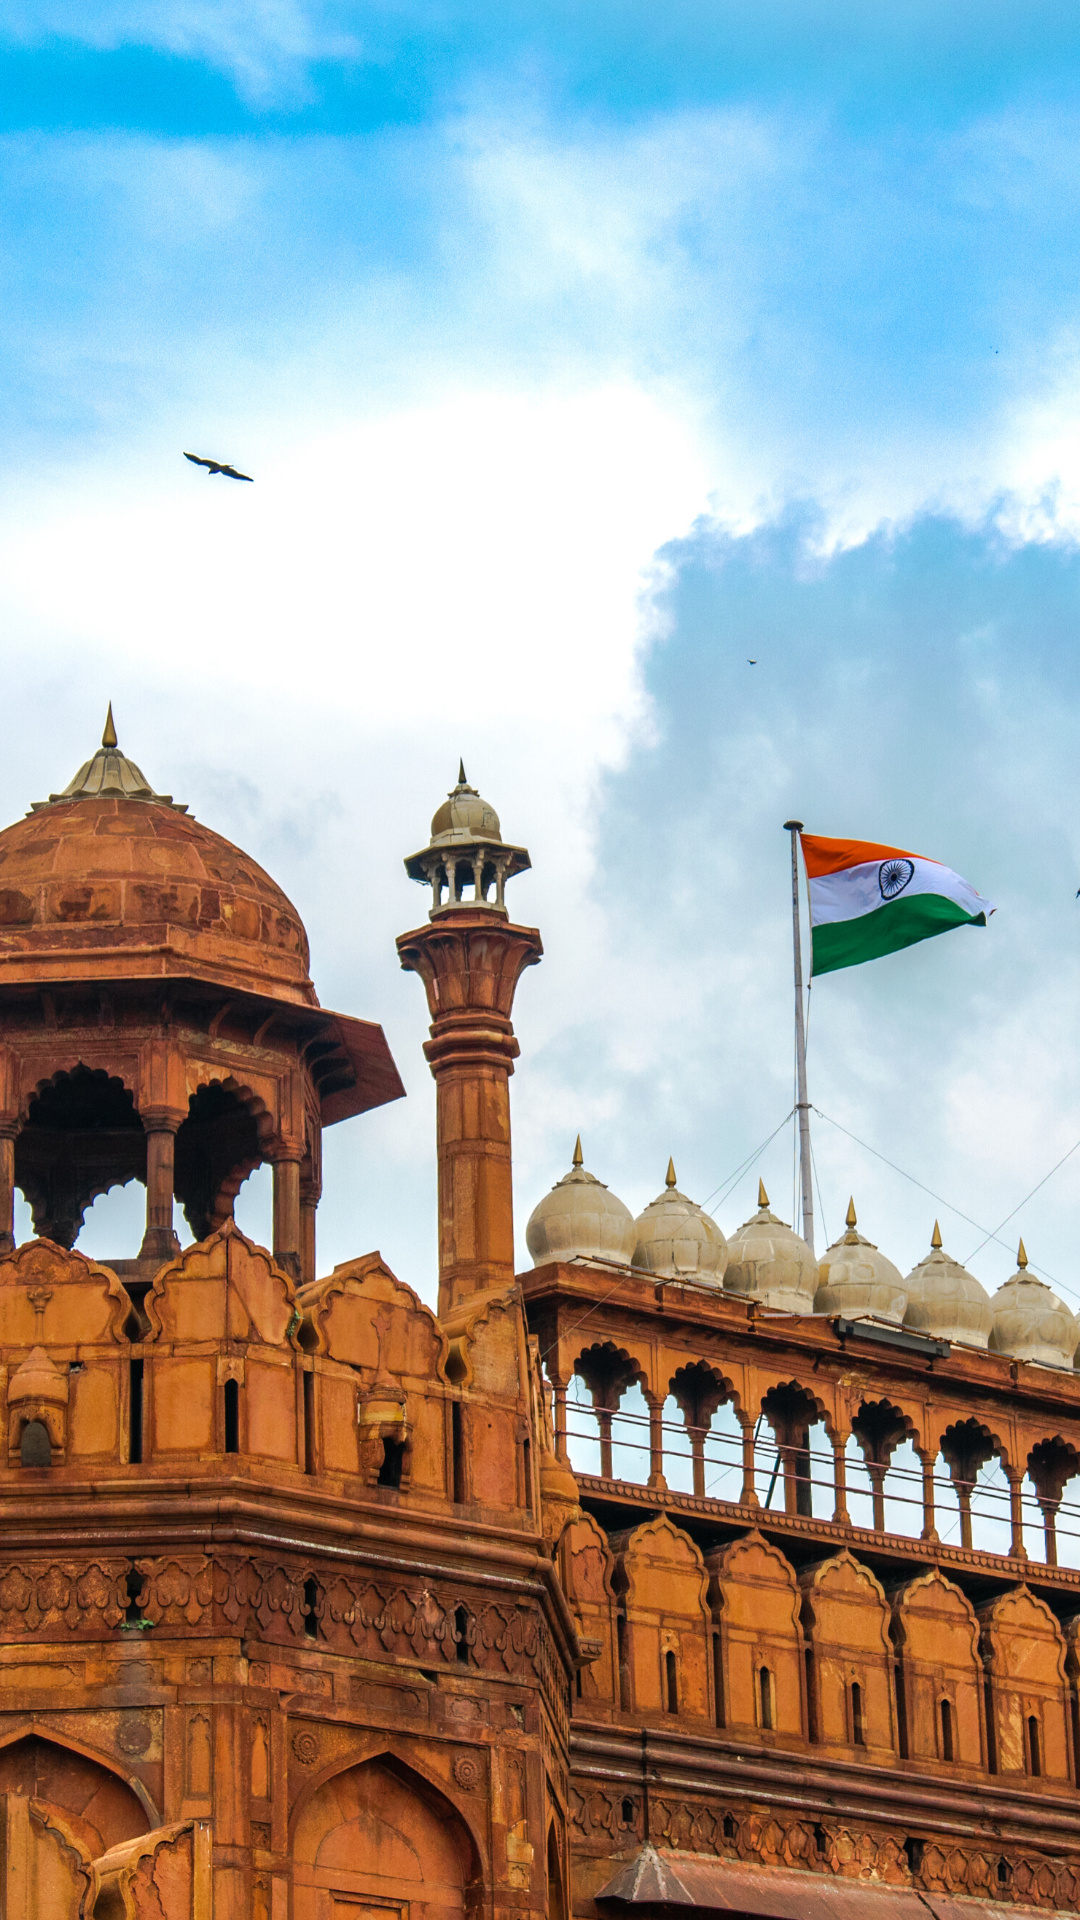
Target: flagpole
802	1104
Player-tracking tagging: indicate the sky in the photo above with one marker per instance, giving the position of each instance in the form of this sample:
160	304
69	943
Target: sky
582	356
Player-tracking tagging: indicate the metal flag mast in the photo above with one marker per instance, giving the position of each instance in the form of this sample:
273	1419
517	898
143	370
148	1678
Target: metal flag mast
802	1104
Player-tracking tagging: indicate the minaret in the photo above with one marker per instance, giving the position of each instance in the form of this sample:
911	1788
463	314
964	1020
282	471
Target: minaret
470	957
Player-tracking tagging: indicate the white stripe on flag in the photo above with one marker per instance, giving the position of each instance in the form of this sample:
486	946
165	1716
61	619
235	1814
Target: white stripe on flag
855	890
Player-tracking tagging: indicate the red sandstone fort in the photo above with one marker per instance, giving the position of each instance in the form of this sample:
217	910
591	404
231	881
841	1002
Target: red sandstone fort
680	1571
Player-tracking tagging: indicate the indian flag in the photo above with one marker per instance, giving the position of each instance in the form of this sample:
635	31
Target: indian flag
867	900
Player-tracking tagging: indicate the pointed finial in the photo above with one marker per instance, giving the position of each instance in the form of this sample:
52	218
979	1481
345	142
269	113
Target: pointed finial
1021	1256
108	738
461	780
850	1218
579	1157
762	1196
935	1238
669	1177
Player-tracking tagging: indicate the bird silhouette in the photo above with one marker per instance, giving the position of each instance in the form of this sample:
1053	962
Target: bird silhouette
218	466
751	663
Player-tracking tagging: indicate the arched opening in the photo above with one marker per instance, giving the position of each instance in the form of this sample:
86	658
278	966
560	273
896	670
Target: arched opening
695	1395
671	1682
618	1414
35	1447
217	1147
881	1429
724	1454
1051	1466
105	1804
801	1478
384	1839
1034	1748
858	1735
948	1745
766	1705
902	1491
556	1905
980	1487
81	1138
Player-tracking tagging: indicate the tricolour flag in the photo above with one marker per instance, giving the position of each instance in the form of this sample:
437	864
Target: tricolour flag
867	900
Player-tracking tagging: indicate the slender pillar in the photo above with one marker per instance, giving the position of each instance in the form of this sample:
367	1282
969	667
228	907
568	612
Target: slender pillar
1016	1516
159	1240
929	1527
839	1454
470	961
559	1390
656	1444
8	1131
309	1201
749	1496
287	1233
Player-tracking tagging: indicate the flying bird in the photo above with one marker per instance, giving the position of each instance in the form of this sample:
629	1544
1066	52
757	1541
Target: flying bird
217	466
751	663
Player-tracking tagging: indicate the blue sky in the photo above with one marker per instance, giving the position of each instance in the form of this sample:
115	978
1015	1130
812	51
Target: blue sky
581	354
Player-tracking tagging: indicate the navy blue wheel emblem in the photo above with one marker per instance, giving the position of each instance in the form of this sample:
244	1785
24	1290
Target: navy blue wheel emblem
893	877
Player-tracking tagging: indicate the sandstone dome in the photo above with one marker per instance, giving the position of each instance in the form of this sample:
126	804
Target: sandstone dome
945	1301
855	1280
1030	1322
580	1219
464	817
771	1263
112	879
676	1240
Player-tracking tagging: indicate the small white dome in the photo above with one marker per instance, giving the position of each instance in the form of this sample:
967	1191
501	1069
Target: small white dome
677	1241
856	1280
945	1301
771	1263
1030	1322
580	1219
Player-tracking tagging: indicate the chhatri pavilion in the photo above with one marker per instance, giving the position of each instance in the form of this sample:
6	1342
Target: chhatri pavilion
684	1570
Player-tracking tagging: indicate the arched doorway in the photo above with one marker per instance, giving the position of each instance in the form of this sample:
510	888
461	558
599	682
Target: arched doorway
102	1808
378	1843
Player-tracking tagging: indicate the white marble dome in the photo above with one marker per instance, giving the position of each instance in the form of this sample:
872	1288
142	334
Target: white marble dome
945	1301
580	1220
1030	1322
769	1262
677	1241
856	1280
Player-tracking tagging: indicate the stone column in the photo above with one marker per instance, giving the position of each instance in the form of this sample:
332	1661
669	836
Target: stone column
1016	1516
470	962
839	1455
287	1231
161	1125
749	1495
929	1527
309	1202
656	1443
8	1132
558	1386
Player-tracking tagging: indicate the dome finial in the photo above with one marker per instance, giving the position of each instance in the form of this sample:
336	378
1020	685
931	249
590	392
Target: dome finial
1021	1256
851	1218
669	1177
108	738
935	1238
462	781
762	1196
579	1157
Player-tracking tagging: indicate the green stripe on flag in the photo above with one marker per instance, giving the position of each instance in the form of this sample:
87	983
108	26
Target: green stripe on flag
899	923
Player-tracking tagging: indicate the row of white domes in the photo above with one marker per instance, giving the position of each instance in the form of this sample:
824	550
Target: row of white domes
768	1262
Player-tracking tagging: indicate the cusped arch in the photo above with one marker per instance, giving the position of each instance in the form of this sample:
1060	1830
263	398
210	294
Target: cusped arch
114	1804
973	1438
377	1809
788	1386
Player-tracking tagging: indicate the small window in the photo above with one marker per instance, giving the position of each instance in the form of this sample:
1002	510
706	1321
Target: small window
135	1412
948	1745
730	1829
628	1813
1004	1873
914	1848
232	1416
35	1447
461	1630
858	1736
765	1699
457	1451
623	1635
1034	1757
310	1611
393	1462
309	1422
671	1682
